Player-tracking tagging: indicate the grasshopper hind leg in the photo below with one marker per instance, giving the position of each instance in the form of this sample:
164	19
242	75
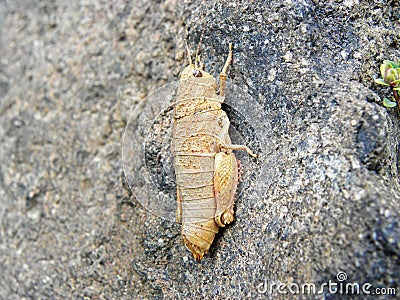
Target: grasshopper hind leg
225	183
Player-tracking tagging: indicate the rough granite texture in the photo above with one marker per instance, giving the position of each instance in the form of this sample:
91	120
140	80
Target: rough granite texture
70	74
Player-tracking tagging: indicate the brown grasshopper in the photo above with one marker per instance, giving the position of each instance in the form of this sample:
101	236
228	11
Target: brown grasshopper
206	170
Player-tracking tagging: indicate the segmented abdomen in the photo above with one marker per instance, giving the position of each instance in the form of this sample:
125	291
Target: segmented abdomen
195	146
196	191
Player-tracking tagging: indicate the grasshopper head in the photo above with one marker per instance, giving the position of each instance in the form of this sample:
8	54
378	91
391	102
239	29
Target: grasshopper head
195	82
192	72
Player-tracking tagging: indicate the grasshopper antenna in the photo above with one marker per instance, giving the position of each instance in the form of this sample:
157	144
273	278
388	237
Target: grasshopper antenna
198	58
203	20
188	52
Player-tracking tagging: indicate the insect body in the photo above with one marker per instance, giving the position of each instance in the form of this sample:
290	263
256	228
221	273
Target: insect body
206	170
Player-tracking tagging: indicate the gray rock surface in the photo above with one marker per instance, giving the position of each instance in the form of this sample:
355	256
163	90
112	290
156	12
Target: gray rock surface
70	74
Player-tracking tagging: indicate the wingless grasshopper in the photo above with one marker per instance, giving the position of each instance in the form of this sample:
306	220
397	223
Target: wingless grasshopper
206	169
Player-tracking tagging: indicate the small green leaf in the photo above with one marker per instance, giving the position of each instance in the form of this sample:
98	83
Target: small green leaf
388	103
383	68
396	89
390	63
391	75
381	81
389	70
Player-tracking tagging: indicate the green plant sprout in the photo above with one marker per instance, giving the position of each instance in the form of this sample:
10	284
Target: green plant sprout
390	72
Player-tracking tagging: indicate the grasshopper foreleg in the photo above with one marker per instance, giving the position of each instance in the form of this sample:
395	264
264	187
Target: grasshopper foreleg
222	75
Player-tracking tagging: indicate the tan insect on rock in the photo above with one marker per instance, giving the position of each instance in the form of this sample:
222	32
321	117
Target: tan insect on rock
206	170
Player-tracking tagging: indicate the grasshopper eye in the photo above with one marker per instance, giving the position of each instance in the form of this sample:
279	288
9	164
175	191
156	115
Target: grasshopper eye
197	73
